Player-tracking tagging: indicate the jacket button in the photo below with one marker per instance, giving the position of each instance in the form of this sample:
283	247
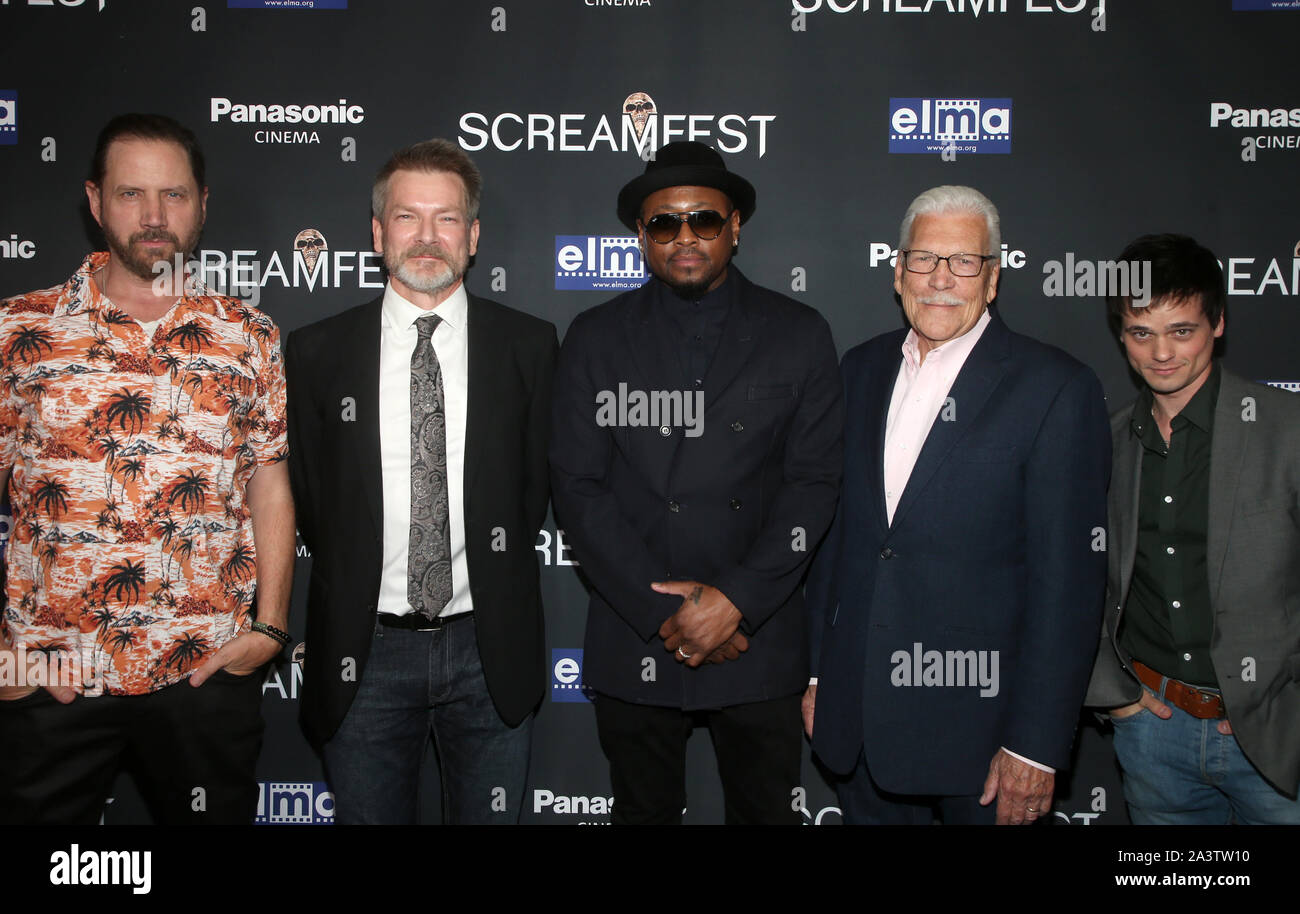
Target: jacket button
735	504
886	553
674	507
737	427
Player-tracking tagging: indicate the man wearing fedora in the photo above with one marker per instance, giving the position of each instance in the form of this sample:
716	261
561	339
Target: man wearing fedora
695	463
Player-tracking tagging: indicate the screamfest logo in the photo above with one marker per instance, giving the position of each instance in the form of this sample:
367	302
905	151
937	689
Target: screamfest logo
974	7
1258	276
639	126
287	124
966	125
310	263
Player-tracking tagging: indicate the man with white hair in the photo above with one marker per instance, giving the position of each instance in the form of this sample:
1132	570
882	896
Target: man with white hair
956	599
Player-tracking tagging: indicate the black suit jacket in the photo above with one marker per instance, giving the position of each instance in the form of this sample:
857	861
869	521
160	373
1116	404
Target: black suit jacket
741	507
333	374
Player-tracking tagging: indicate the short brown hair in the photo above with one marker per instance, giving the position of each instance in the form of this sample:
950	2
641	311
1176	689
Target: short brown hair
136	126
431	155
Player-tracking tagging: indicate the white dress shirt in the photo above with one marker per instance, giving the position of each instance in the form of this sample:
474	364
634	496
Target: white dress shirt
919	394
397	339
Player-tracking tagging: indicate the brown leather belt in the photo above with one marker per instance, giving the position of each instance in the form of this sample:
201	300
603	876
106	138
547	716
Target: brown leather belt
1200	703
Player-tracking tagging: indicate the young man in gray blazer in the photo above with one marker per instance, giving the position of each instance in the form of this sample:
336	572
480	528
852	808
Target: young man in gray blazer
1200	657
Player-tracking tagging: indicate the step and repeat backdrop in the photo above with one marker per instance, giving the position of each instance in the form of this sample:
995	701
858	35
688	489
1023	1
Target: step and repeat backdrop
1087	123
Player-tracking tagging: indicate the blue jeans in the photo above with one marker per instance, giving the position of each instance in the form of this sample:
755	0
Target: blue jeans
414	683
1183	771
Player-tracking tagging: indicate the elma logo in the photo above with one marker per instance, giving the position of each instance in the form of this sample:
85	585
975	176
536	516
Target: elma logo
928	125
307	803
593	262
286	4
8	117
566	675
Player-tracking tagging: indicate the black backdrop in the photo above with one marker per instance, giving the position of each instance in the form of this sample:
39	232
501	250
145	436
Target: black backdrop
1093	122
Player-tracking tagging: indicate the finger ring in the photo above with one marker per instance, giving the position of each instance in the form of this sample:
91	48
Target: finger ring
681	653
1030	809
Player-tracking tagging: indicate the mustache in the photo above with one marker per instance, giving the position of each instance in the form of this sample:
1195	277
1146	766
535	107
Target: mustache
423	250
938	298
155	235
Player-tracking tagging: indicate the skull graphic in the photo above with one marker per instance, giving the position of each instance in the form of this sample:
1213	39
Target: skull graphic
310	243
639	107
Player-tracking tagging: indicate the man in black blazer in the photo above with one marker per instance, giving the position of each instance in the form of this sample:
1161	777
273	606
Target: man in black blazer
695	463
417	429
957	595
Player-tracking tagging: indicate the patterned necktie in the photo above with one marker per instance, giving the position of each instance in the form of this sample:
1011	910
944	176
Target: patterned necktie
428	569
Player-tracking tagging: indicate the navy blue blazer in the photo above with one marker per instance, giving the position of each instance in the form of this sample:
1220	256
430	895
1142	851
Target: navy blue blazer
997	544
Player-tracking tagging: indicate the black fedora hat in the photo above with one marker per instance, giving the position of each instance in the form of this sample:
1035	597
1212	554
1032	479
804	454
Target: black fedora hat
684	164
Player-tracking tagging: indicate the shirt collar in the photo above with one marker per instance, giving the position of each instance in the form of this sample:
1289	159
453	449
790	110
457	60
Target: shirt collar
956	349
1199	411
402	314
82	293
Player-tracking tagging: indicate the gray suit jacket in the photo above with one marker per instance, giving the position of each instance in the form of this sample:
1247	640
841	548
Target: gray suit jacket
1253	566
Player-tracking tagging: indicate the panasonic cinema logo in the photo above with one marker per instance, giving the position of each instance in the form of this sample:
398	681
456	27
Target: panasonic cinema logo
954	125
302	803
8	117
598	263
288	124
566	676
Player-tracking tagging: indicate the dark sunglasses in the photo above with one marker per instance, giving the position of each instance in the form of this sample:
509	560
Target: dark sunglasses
706	224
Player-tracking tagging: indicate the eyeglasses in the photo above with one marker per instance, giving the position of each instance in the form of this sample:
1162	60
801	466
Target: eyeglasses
706	224
958	264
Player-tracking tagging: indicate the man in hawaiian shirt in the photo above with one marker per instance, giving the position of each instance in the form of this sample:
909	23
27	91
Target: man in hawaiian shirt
142	442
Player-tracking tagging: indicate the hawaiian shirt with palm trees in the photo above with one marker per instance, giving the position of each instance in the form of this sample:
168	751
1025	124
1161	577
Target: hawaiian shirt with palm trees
132	544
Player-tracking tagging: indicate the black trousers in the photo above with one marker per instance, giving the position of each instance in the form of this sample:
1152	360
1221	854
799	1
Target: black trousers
758	746
191	750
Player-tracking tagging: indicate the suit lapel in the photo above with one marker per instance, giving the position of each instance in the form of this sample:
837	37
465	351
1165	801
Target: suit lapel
484	357
362	375
878	394
1126	484
1227	450
981	373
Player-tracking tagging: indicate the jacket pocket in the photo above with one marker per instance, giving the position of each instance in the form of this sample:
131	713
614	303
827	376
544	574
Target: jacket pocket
772	391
